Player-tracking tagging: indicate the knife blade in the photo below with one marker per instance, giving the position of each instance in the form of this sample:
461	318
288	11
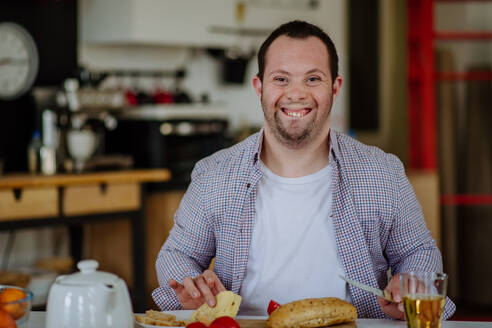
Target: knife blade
375	291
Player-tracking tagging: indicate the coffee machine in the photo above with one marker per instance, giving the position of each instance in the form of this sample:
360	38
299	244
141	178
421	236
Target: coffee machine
85	116
74	121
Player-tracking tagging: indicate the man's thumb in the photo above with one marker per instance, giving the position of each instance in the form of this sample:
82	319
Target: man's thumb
174	284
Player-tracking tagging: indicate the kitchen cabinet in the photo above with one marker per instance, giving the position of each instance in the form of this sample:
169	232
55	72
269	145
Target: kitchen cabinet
26	203
179	23
210	23
80	200
88	199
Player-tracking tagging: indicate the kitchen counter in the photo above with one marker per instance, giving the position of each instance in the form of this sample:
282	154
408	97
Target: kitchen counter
27	180
74	200
37	320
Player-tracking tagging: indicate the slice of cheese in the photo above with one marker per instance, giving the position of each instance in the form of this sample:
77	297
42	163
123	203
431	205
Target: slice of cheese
227	305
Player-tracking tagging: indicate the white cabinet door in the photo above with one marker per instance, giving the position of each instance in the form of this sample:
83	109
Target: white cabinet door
164	22
203	23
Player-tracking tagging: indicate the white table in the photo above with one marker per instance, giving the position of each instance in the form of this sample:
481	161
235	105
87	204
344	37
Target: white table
37	320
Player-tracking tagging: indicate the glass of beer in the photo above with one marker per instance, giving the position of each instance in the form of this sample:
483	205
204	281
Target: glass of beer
424	297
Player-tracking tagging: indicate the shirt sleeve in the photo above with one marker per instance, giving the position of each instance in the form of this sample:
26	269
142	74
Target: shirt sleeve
410	245
189	248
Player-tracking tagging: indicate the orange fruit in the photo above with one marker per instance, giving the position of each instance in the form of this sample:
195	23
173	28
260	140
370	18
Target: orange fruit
6	320
9	295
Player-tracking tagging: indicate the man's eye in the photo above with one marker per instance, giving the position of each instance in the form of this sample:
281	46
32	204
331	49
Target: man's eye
314	79
280	79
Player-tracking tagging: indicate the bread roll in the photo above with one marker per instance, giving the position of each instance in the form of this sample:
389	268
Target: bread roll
312	312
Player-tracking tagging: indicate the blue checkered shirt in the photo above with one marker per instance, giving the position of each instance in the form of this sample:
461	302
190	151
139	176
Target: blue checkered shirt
377	219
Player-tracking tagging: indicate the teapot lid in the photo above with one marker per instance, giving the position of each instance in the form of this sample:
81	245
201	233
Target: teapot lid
88	275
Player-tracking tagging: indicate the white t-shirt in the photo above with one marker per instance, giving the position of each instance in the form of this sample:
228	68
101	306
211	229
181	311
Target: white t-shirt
293	252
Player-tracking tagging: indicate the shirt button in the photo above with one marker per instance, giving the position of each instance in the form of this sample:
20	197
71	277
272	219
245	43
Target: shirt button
248	185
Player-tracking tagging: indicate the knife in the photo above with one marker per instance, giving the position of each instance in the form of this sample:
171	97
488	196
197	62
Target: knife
375	291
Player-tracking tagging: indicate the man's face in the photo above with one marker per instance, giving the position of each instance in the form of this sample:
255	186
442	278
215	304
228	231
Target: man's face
297	91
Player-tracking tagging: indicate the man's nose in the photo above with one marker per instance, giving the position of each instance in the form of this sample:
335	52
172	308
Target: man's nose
296	92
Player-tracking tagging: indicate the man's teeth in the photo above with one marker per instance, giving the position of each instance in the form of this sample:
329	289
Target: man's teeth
295	114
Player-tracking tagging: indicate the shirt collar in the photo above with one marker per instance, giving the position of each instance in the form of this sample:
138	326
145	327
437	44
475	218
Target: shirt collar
334	144
259	143
257	148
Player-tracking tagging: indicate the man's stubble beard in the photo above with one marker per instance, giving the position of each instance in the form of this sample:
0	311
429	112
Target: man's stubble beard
290	139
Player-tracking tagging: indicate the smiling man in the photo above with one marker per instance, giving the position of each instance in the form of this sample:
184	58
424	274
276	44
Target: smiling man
293	207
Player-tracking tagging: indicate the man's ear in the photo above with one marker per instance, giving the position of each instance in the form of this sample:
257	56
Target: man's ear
257	85
337	85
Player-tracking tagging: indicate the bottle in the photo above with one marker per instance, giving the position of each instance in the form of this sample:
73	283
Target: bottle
48	160
49	143
33	153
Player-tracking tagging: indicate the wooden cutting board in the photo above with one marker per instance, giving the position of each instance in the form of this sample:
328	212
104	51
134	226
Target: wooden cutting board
260	323
251	323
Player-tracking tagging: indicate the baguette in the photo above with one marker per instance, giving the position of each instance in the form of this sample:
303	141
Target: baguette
311	313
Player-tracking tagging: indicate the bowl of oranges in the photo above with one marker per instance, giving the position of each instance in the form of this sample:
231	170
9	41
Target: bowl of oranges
15	305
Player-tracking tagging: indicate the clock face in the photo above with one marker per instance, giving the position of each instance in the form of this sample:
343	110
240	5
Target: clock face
18	61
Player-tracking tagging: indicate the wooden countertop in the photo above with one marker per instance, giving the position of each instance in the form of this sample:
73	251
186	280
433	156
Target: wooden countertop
37	319
28	180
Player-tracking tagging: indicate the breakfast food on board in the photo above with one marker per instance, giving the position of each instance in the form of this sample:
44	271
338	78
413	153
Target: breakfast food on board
312	312
227	305
157	318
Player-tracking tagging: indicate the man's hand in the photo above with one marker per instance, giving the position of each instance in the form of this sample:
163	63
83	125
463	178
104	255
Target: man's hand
393	309
196	291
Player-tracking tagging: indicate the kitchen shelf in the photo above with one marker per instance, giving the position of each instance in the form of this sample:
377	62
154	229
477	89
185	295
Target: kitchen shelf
461	1
466	199
414	78
462	36
464	76
175	111
465	216
19	181
422	76
421	96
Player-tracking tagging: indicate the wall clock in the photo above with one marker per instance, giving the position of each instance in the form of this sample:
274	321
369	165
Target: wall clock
19	61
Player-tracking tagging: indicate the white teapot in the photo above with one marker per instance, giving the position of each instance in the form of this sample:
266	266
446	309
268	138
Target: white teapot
89	298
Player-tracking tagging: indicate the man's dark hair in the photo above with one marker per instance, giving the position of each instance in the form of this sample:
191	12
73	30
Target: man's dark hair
299	30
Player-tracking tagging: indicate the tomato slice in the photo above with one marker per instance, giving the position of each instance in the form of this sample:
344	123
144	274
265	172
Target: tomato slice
272	306
223	322
196	325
